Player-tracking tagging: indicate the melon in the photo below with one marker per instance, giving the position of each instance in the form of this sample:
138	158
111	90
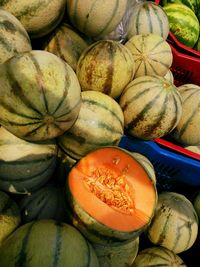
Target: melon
183	23
39	17
152	54
117	254
47	243
96	18
175	222
148	17
152	107
40	95
105	66
110	196
169	76
10	217
45	203
14	38
187	131
100	122
66	43
158	256
25	166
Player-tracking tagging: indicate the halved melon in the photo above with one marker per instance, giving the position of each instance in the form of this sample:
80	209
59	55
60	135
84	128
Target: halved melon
111	196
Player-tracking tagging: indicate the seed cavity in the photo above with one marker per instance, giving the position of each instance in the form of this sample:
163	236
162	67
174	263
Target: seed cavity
110	188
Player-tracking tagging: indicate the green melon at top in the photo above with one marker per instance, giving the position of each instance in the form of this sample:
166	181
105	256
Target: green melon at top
183	23
40	95
39	17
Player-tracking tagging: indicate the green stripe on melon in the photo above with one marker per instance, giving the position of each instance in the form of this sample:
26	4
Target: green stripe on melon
151	53
10	217
94	18
147	17
152	107
100	123
158	256
192	4
120	254
183	23
47	91
66	43
13	36
106	66
175	222
187	131
25	166
38	17
47	243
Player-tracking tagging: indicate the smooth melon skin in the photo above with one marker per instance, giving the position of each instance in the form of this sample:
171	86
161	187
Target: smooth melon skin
151	53
96	18
148	17
13	37
112	211
105	66
100	123
47	243
152	107
66	43
158	256
10	217
120	254
187	131
169	76
40	96
175	222
25	166
39	17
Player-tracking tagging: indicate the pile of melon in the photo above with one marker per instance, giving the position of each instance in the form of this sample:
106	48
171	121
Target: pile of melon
75	77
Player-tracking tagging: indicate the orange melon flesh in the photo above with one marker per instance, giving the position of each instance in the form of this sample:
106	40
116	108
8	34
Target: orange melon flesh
113	163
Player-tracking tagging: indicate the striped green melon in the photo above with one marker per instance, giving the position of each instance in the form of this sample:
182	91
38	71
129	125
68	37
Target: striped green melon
66	43
187	131
13	37
152	54
100	122
47	243
25	166
106	66
100	222
175	222
152	107
148	17
40	95
120	254
183	23
10	217
192	4
39	17
45	203
158	256
96	18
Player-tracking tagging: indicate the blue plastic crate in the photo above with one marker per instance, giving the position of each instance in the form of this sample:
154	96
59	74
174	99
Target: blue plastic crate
171	167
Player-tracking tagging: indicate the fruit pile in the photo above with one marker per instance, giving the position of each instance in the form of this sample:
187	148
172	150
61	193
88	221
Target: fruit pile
75	76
